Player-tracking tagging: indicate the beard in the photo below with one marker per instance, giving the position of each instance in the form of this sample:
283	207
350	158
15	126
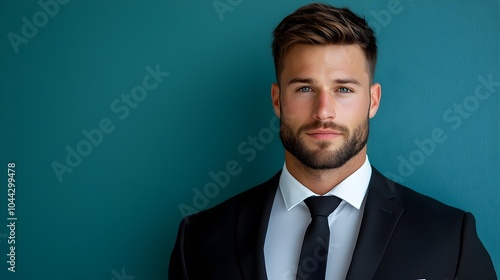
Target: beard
321	158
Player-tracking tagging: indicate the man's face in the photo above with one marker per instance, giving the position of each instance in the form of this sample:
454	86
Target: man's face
324	101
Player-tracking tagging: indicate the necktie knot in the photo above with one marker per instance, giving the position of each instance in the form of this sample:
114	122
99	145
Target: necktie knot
322	205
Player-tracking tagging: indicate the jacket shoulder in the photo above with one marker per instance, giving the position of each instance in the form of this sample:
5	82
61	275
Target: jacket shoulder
441	238
412	200
228	209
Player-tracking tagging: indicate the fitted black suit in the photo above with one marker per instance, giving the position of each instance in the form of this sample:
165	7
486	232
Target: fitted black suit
403	235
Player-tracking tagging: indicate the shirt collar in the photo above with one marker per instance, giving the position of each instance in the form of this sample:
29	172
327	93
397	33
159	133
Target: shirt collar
352	189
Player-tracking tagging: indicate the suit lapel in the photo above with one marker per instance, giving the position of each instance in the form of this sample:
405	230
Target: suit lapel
380	218
251	227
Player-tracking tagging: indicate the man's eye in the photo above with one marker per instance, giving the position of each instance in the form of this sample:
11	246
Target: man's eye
344	90
304	89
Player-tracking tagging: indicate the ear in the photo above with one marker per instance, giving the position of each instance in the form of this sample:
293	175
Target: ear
275	96
375	95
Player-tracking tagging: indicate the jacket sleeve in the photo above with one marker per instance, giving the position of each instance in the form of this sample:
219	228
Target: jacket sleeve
177	266
474	261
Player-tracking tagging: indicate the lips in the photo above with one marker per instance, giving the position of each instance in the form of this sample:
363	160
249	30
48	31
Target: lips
323	134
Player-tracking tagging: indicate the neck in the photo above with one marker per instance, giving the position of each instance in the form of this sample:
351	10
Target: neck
322	181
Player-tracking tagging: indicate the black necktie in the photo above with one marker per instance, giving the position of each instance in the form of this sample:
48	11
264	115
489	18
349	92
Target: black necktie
312	261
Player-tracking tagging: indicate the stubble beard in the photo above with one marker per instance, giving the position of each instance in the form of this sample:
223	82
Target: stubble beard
321	157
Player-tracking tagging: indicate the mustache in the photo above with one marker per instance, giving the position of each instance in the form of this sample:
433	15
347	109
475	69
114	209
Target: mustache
320	124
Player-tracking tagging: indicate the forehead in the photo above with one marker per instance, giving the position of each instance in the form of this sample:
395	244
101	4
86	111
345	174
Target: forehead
306	61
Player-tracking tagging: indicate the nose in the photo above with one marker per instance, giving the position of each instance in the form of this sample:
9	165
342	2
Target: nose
324	107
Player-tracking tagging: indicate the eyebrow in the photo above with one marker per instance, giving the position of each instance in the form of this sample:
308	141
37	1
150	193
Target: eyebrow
313	81
302	81
347	81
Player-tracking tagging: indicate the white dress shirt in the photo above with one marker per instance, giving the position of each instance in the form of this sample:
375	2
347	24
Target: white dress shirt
290	218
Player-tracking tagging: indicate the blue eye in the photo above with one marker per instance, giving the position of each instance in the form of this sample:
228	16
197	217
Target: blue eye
344	90
304	89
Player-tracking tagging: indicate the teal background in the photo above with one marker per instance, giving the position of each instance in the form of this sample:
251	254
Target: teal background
115	216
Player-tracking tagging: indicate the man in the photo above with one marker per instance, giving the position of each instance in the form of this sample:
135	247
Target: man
324	96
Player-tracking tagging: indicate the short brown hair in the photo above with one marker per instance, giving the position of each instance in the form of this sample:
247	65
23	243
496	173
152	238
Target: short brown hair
322	24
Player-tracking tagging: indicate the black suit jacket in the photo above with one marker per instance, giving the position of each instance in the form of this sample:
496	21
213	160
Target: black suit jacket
403	235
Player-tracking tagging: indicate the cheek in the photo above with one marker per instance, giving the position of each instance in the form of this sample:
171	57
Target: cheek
354	110
294	110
